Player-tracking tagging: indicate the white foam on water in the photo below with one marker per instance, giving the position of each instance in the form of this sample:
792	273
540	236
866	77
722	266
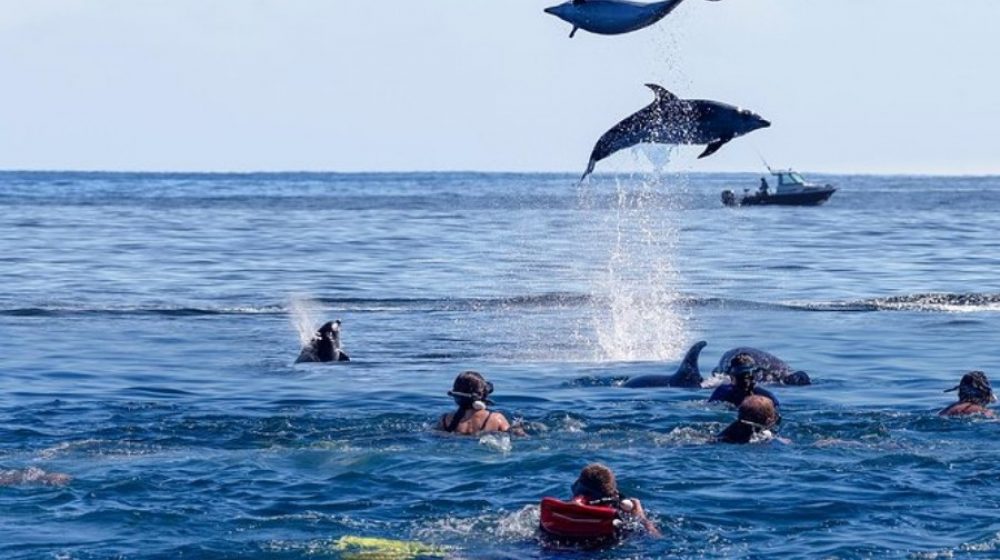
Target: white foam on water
302	312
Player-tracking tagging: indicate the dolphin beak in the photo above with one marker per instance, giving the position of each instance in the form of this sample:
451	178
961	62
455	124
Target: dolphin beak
765	123
551	10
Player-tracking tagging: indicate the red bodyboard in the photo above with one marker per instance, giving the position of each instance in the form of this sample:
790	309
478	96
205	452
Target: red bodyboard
578	521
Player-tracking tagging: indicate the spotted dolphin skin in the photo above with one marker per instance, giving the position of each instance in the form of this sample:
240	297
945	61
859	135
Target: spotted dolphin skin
671	120
687	374
770	368
611	17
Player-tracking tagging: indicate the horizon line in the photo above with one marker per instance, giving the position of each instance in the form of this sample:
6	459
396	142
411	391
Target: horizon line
475	172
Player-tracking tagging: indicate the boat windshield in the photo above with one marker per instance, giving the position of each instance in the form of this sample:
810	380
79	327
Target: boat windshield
791	178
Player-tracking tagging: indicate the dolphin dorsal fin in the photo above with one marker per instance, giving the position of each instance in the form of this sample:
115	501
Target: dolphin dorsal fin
661	93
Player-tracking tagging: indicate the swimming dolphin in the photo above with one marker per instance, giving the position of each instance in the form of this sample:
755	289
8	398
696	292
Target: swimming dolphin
324	346
687	374
671	120
611	17
770	368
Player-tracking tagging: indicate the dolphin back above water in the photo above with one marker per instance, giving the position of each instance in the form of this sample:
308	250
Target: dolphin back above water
769	368
671	120
611	17
687	374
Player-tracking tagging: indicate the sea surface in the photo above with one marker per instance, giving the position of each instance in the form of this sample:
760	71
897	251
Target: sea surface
149	324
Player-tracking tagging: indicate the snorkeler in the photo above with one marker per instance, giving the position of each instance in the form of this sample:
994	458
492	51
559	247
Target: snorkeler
324	346
757	416
742	374
974	396
597	511
471	393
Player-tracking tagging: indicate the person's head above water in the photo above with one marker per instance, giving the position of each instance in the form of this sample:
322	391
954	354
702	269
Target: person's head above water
471	393
471	390
975	388
595	483
758	412
743	370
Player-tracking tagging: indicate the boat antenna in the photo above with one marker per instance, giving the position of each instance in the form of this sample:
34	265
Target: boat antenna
764	161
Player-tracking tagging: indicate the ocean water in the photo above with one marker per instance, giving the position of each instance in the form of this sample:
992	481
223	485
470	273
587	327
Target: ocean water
148	325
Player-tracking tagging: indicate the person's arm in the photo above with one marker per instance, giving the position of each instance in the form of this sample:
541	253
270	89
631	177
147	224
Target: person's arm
499	423
720	393
640	515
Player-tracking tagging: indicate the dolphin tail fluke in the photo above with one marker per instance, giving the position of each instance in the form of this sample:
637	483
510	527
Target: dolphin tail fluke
714	147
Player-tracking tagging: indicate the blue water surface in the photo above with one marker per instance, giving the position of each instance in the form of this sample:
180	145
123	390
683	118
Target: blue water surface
148	328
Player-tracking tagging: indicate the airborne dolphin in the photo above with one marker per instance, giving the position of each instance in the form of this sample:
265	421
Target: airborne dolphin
671	120
611	17
687	374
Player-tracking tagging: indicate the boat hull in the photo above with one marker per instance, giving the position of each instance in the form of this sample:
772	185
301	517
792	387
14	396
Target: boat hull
812	197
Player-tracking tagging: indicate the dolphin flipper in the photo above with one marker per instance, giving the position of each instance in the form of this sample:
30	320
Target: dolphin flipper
571	33
714	146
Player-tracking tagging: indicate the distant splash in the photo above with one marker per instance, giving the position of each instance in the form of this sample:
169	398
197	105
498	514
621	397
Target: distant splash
33	476
302	312
927	302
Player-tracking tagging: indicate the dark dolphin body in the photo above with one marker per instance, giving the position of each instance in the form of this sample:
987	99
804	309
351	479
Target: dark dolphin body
611	17
325	346
687	374
671	120
771	369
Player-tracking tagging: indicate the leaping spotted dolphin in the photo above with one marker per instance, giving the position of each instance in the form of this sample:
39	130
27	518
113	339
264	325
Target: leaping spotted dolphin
611	17
671	120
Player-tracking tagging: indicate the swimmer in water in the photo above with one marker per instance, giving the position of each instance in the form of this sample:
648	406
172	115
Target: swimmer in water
742	374
471	393
757	416
596	486
974	396
324	346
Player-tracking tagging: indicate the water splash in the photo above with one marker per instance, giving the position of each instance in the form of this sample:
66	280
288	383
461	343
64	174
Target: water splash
302	312
636	316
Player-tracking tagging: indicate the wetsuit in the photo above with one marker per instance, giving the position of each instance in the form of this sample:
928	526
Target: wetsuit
732	394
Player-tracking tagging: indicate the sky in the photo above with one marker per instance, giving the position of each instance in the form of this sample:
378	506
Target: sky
851	86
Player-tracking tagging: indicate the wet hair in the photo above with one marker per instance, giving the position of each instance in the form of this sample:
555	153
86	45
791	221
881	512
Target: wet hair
596	483
470	391
758	411
470	386
743	369
975	388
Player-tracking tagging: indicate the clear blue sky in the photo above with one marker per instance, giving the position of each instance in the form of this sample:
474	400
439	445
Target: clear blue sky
908	86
